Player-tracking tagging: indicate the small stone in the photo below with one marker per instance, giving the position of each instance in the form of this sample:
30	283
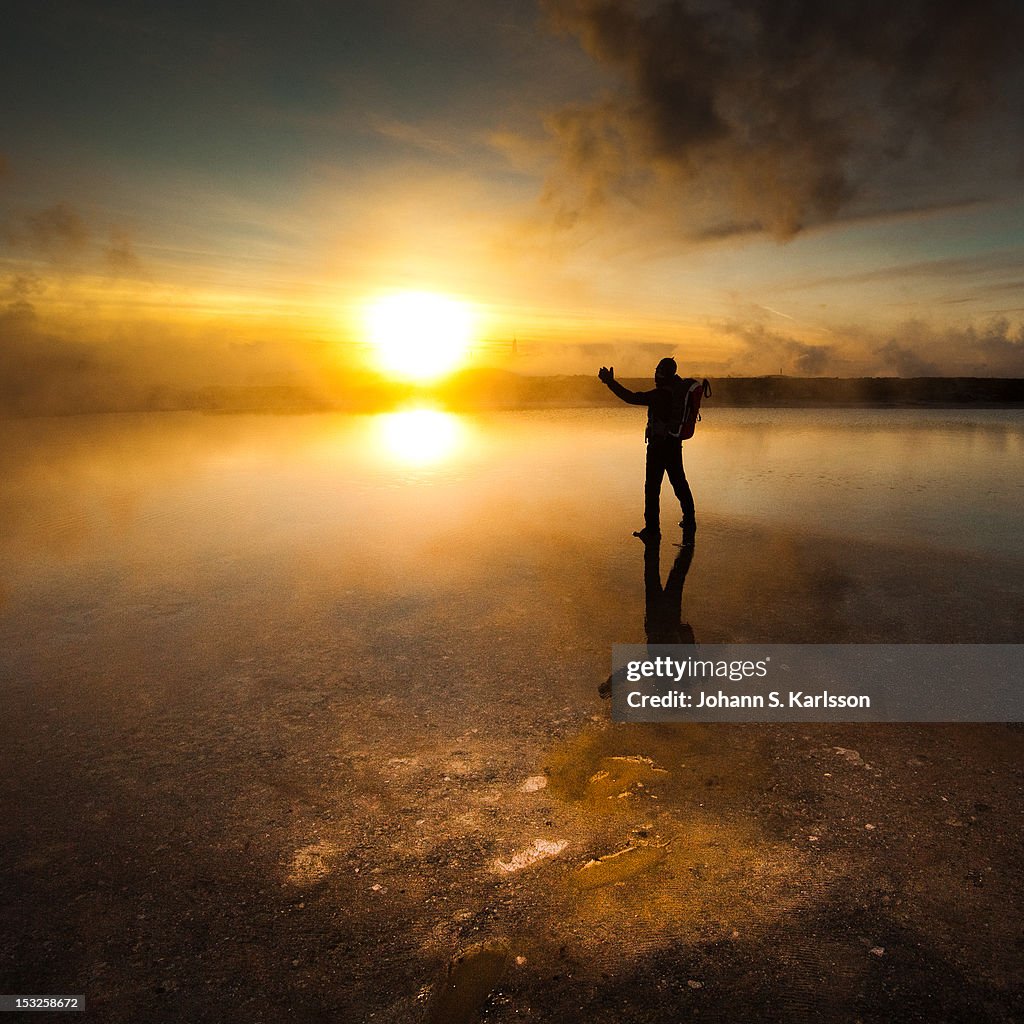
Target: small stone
878	951
520	960
533	784
853	756
870	827
540	850
695	984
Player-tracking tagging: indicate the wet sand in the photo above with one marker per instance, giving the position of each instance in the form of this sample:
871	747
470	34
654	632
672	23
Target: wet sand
376	782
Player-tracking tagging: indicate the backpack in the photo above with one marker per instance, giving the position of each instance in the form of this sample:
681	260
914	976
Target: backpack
688	393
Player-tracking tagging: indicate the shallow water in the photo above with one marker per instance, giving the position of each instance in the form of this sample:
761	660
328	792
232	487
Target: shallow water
426	521
96	487
275	687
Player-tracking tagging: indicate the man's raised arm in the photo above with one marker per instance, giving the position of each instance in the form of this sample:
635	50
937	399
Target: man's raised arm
607	375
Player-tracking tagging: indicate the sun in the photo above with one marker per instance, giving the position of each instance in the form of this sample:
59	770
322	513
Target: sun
419	336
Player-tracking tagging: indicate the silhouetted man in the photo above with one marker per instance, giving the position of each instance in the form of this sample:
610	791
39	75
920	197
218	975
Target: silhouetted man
664	451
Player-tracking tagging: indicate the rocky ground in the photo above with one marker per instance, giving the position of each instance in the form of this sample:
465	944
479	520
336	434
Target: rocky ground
407	803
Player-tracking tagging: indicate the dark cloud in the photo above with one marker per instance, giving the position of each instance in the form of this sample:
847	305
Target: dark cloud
776	115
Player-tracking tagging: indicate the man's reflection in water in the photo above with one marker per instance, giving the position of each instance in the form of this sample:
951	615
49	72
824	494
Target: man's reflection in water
663	606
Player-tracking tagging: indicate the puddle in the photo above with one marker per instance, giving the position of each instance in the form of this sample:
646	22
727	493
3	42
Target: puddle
616	867
468	981
699	864
678	763
619	777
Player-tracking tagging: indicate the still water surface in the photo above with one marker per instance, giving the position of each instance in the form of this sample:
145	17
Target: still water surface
132	489
814	525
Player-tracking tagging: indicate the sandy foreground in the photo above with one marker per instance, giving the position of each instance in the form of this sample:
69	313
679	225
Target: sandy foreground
394	796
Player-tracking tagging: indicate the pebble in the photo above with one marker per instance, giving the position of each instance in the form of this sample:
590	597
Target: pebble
533	784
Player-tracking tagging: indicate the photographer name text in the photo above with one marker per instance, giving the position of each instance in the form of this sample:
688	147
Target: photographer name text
721	699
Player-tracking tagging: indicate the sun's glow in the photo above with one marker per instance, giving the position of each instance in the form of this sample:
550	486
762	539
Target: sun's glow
419	437
419	336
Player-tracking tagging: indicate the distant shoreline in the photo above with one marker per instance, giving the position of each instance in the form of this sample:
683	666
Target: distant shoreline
478	390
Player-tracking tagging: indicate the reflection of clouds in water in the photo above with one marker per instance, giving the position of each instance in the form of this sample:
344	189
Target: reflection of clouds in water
419	437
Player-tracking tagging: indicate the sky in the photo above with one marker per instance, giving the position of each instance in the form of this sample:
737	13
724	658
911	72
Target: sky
198	194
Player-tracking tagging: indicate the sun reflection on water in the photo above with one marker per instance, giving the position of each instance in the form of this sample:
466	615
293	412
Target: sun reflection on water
420	437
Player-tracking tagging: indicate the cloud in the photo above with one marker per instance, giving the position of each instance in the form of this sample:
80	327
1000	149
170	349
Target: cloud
766	351
999	345
905	361
740	114
61	235
630	359
55	232
56	362
120	257
19	287
417	137
994	348
37	368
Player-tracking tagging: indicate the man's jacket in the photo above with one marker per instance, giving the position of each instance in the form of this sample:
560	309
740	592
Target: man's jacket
664	404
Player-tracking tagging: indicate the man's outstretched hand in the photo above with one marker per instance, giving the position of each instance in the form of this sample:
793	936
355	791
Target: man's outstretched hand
606	374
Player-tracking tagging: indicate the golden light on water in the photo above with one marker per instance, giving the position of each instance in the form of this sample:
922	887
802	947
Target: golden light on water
419	336
420	437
